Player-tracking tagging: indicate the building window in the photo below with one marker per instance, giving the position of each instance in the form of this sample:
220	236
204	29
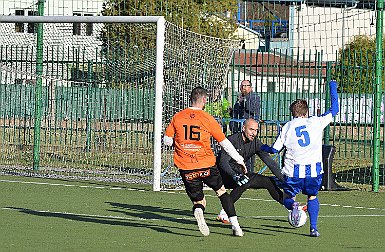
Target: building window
76	28
270	86
31	28
19	27
89	26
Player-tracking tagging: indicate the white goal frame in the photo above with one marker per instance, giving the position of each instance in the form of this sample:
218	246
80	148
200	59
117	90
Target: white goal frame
159	80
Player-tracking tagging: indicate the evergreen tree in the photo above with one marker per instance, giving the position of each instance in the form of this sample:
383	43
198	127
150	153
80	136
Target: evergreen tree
356	65
213	18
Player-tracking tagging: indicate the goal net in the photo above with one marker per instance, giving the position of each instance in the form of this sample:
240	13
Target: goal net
89	97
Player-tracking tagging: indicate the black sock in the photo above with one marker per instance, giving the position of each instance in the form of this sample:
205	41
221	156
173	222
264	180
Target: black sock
227	204
237	192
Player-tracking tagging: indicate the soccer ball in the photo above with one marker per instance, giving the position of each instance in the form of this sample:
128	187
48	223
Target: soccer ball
302	219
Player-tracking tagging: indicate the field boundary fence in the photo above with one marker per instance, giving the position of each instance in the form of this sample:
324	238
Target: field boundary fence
99	112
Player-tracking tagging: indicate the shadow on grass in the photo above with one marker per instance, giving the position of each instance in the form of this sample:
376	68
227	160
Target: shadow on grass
275	229
280	229
154	212
115	221
144	217
360	175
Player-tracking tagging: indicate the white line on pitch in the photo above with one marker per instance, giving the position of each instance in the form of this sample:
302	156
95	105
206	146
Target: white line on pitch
332	205
352	215
69	185
172	218
91	215
170	192
321	216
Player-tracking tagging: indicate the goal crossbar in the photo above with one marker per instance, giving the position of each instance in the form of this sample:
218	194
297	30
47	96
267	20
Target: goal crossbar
81	19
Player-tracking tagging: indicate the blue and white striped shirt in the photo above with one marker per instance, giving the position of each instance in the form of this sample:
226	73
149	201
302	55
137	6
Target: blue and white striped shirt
302	138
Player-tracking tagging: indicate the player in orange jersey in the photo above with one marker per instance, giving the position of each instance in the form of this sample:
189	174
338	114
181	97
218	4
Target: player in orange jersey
190	131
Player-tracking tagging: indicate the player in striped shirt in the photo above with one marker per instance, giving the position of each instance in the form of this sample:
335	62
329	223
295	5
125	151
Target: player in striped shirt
303	171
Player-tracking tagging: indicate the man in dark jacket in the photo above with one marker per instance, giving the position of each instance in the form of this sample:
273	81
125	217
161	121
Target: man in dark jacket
247	106
247	144
248	103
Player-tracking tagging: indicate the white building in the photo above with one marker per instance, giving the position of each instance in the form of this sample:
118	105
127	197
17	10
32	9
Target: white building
52	7
18	40
22	34
322	27
327	30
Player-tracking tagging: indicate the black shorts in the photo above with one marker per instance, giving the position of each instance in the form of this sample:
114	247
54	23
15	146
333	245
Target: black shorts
193	181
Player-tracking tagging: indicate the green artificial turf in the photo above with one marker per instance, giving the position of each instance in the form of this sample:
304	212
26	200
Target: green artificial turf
57	215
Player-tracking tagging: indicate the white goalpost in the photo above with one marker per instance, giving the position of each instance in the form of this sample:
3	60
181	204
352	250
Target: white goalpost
108	92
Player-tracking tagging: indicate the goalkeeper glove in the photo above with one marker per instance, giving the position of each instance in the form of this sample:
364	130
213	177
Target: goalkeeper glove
241	179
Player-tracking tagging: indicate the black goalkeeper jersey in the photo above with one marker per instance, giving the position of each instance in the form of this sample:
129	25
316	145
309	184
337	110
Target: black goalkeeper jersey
228	166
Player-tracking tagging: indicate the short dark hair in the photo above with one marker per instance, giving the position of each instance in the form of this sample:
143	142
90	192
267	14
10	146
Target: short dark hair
247	81
299	108
197	93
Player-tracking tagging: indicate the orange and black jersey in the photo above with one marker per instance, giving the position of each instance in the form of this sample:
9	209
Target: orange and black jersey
192	129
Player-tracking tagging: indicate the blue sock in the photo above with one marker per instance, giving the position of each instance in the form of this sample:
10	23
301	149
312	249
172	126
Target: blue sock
313	209
288	202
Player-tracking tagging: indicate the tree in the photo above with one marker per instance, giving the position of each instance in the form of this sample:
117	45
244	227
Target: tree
200	16
128	47
356	65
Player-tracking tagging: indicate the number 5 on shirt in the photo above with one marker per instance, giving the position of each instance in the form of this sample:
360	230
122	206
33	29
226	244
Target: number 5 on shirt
302	133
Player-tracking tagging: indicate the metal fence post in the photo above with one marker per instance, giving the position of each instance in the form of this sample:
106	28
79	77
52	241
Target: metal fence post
89	103
378	97
38	89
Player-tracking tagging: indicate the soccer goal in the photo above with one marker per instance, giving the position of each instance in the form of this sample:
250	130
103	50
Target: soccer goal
89	97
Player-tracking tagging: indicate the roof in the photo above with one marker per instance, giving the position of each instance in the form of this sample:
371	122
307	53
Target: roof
268	63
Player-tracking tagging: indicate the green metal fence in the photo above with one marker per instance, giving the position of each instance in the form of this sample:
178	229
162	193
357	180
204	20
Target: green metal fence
280	79
93	119
85	125
68	103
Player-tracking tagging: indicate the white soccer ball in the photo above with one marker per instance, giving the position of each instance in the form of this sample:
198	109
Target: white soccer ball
302	219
